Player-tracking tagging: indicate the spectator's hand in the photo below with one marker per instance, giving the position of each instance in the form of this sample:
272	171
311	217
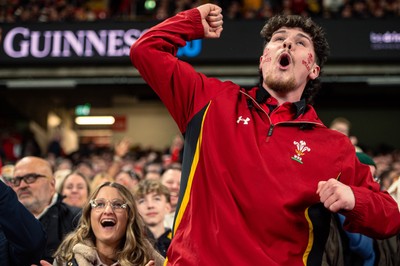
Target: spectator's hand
151	263
122	148
212	20
335	195
43	263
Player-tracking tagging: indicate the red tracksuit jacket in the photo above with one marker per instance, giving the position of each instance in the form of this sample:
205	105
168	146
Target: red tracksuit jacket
249	180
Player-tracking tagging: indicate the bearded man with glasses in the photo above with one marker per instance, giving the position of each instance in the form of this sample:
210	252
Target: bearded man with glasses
34	185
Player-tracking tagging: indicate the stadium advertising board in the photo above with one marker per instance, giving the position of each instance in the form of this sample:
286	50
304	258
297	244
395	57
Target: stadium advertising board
109	42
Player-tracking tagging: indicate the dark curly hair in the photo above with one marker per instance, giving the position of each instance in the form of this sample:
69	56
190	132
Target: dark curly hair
317	35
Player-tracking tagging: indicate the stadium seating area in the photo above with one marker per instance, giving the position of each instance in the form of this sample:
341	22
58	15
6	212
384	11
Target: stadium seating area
12	11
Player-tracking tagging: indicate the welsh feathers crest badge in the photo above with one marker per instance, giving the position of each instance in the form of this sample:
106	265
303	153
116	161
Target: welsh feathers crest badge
301	148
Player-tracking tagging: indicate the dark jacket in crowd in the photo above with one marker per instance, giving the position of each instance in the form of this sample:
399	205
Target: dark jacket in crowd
340	252
22	238
162	243
59	220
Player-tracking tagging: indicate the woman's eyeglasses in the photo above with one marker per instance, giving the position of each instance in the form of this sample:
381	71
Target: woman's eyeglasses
28	178
101	204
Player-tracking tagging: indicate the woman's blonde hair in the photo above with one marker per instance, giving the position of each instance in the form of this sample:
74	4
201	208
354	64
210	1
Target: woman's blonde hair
135	249
100	178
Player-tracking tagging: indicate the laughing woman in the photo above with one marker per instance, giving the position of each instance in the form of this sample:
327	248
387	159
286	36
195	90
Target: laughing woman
110	232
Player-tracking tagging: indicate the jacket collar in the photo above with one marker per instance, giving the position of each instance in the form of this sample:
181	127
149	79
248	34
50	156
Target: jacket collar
262	95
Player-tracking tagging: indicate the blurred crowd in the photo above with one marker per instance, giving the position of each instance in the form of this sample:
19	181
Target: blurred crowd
144	10
91	159
104	162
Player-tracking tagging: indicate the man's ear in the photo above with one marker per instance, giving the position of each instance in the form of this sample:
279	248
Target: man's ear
53	182
314	72
53	185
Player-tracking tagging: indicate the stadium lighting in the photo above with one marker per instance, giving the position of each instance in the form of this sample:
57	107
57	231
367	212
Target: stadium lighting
95	120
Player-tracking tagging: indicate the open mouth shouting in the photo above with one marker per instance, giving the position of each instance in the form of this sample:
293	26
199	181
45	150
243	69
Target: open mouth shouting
108	223
284	61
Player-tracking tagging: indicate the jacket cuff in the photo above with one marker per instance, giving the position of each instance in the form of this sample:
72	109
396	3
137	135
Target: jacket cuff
194	16
357	214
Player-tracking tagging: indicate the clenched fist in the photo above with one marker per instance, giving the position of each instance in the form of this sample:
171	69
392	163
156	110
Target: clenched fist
212	20
335	195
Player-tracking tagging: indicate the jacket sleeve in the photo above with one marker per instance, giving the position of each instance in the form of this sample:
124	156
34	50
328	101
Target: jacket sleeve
182	90
25	235
375	213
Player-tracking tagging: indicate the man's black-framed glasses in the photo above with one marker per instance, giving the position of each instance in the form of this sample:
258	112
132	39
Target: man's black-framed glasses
28	178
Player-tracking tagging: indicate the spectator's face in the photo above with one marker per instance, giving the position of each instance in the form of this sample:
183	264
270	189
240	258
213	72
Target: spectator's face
153	208
75	190
126	180
108	224
152	176
172	180
65	165
288	61
7	173
85	170
35	196
341	127
99	165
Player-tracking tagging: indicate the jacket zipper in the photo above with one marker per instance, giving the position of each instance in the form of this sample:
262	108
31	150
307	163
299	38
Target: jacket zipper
272	126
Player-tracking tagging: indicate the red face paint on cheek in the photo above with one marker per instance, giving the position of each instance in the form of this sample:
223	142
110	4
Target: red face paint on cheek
310	58
308	62
266	56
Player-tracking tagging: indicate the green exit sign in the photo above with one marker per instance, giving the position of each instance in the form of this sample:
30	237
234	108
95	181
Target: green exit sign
82	109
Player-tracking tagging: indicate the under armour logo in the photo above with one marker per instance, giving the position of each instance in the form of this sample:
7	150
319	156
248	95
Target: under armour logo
244	120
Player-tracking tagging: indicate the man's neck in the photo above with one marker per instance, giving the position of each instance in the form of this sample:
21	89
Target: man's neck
41	212
292	96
